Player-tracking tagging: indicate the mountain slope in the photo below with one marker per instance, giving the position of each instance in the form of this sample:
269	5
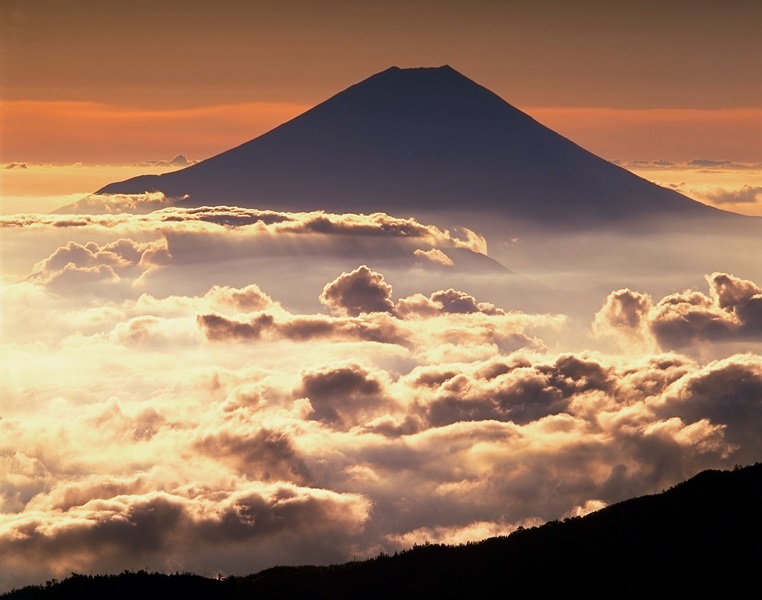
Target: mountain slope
700	536
412	141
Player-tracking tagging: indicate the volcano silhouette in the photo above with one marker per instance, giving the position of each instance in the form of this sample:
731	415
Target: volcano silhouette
413	141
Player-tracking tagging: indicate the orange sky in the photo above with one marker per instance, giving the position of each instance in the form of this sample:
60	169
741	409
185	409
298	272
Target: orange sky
148	80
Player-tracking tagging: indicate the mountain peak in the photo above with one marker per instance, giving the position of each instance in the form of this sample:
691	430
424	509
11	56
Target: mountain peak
413	140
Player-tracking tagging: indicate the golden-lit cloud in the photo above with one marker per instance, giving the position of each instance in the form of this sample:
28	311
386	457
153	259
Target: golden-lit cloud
730	185
690	320
238	426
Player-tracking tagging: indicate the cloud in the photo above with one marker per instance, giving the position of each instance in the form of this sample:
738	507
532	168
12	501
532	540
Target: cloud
86	267
343	395
179	161
698	163
748	194
366	291
127	530
728	185
361	291
17	165
731	311
112	204
266	448
712	164
624	316
265	326
206	235
234	429
435	255
363	309
454	301
242	220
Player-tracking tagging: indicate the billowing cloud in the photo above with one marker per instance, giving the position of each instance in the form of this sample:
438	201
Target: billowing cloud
731	311
625	317
343	394
170	419
454	301
364	310
253	446
78	267
361	291
122	530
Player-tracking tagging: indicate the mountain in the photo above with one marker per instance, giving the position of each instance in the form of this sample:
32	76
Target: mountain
699	536
417	141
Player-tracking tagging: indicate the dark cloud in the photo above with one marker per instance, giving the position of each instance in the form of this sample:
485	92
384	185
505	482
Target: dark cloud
308	327
726	393
219	328
731	311
454	301
152	530
361	291
443	302
711	164
256	452
512	391
343	396
381	329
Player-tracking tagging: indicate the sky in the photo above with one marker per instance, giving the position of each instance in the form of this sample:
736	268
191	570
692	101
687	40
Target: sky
223	389
125	84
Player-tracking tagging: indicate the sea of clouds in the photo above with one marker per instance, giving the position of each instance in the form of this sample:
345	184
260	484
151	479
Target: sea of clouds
220	390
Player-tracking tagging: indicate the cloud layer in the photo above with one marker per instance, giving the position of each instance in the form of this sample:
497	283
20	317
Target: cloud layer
215	428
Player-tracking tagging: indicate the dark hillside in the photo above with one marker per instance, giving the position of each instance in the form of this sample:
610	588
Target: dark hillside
702	536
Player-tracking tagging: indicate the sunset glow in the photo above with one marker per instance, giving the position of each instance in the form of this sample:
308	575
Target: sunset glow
251	361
